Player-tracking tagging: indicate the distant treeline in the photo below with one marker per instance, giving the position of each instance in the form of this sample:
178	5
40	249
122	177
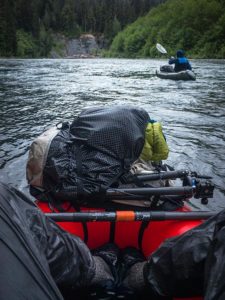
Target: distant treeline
198	26
26	26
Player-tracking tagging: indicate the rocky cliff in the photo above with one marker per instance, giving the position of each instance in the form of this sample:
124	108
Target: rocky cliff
86	46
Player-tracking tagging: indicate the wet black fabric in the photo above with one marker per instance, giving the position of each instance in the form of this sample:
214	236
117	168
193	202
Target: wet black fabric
214	284
100	146
37	256
191	264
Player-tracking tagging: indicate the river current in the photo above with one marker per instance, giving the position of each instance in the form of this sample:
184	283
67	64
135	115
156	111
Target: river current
38	93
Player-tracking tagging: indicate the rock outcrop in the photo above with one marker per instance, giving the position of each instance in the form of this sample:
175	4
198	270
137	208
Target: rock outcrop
86	46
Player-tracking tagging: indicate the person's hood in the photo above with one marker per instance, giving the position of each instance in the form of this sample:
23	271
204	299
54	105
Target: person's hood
180	53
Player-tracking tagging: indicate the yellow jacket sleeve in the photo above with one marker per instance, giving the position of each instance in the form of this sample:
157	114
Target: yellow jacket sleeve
155	147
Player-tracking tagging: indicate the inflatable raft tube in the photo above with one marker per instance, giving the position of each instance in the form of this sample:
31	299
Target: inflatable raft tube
183	75
127	233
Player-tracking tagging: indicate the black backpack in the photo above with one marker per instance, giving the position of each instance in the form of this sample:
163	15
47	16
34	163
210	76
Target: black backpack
88	156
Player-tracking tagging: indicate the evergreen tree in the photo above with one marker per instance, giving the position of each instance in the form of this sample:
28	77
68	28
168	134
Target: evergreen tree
185	21
2	28
7	28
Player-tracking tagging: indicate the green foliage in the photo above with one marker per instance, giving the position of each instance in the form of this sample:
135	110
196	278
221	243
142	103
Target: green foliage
45	42
68	20
134	43
198	26
118	43
57	48
36	20
7	28
213	42
116	26
26	46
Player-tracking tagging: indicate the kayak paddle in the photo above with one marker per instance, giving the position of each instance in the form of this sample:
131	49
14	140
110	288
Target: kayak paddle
161	49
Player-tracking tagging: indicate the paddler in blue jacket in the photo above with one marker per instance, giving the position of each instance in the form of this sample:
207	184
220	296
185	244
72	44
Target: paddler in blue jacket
181	62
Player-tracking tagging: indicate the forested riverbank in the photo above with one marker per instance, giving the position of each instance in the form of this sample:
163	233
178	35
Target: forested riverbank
32	28
196	26
117	28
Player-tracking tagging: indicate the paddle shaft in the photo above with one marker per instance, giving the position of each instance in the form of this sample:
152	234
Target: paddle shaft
163	175
169	175
117	216
150	191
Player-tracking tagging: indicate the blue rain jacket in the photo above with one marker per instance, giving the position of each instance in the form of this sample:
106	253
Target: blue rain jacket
181	64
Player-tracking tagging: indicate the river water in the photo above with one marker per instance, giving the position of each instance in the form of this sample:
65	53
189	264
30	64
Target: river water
38	93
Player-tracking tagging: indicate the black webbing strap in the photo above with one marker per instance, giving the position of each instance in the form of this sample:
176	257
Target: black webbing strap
84	225
85	230
142	229
80	186
112	232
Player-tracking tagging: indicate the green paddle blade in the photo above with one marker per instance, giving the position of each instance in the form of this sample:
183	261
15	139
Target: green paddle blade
161	49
